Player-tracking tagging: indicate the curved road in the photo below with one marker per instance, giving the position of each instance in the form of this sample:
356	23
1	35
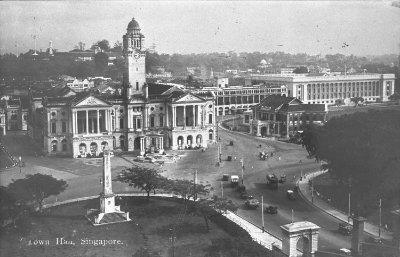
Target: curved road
286	160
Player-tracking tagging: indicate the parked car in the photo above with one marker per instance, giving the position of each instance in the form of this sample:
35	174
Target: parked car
246	196
225	177
271	209
252	203
282	179
345	251
234	180
345	228
290	195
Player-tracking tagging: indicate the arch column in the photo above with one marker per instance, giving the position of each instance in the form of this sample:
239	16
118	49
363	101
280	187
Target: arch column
167	116
98	122
293	232
184	116
173	116
73	122
87	122
142	149
194	115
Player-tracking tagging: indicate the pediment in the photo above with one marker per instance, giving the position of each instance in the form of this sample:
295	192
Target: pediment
189	98
91	101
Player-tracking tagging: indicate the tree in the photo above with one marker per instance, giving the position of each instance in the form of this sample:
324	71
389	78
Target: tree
104	45
186	189
357	100
35	188
210	207
117	47
300	70
145	179
395	97
101	62
364	147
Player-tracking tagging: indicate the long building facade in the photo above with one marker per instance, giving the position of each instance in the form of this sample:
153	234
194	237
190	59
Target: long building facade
327	89
144	118
239	98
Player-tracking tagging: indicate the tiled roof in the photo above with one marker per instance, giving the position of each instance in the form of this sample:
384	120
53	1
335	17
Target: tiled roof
307	107
157	89
274	101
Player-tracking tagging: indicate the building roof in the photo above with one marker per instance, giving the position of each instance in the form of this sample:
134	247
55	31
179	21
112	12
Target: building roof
275	101
133	24
289	104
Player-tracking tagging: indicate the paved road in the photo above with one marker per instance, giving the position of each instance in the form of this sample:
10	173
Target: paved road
286	160
83	179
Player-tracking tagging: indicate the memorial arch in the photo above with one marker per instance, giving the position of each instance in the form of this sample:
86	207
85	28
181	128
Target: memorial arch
302	235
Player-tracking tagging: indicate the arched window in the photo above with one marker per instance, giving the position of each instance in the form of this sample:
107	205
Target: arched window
93	148
54	146
64	145
82	148
104	144
210	134
122	141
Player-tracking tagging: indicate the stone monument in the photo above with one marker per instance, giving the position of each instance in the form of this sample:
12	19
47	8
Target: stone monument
108	212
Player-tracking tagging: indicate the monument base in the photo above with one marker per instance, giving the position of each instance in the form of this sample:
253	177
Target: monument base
98	218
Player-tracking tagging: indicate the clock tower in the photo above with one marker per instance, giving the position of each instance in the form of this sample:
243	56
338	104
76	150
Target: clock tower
135	55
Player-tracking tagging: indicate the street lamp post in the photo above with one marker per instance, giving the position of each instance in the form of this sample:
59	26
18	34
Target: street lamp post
242	162
312	191
380	216
172	238
262	213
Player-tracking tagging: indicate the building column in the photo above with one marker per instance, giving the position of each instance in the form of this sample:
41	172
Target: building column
87	122
287	125
98	122
258	131
173	116
202	115
146	117
184	116
298	122
194	115
142	151
167	116
73	122
106	113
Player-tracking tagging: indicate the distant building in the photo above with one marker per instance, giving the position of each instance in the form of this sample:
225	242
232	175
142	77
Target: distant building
146	118
326	89
281	116
239	98
14	113
80	85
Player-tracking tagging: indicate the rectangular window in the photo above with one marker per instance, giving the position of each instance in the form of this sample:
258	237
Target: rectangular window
161	121
53	127
121	123
64	127
210	118
138	123
137	85
152	121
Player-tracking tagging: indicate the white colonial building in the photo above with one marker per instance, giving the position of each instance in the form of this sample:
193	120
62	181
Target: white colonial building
326	89
144	118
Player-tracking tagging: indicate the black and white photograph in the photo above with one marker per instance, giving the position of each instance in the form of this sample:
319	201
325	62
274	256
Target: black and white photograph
200	128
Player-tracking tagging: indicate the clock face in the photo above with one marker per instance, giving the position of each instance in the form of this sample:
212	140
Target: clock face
136	55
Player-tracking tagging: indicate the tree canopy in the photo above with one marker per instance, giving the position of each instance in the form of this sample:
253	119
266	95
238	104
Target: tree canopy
146	179
35	188
362	148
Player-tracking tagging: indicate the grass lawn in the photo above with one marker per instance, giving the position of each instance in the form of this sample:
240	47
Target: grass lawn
149	231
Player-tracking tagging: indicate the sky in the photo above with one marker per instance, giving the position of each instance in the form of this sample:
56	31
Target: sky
312	27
